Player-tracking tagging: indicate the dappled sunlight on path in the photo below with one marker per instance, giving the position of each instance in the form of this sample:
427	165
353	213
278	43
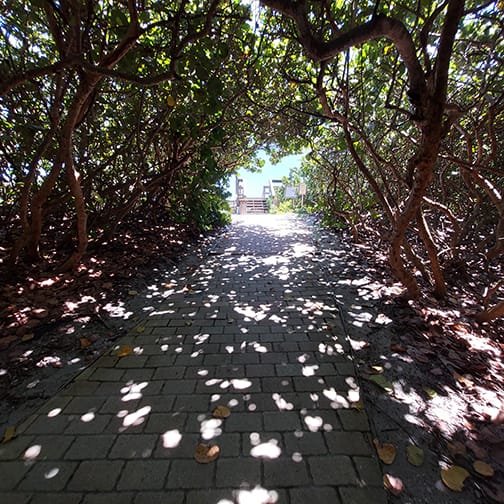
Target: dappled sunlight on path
256	333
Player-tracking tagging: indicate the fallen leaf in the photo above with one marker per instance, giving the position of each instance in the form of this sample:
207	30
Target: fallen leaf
27	337
10	433
387	452
382	382
483	468
7	340
84	343
453	477
376	369
206	453
221	412
430	392
456	448
140	329
132	292
415	455
394	485
124	350
395	347
463	380
358	405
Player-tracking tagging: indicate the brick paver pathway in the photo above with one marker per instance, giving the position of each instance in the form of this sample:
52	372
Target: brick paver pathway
259	332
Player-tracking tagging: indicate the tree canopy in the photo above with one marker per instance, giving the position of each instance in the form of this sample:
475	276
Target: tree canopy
114	109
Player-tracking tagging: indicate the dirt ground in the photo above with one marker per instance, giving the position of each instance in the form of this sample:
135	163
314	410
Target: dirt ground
431	377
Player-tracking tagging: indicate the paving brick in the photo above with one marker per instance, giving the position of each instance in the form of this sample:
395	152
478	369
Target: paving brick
318	495
159	498
169	373
245	358
96	475
174	387
348	443
54	498
132	361
259	370
355	495
47	476
49	425
80	388
354	420
15	447
85	404
243	422
332	470
16	497
194	402
234	473
143	475
54	405
224	496
109	498
369	471
274	358
116	404
162	422
187	474
137	375
89	423
277	385
309	384
12	473
284	472
281	421
107	375
89	447
132	446
305	443
158	403
321	420
289	369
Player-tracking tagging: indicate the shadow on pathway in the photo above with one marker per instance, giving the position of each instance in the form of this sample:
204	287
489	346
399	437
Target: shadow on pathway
257	329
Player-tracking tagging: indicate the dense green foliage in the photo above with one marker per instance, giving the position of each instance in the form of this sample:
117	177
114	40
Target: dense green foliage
110	109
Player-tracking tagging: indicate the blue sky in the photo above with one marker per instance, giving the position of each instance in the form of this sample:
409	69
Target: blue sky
254	182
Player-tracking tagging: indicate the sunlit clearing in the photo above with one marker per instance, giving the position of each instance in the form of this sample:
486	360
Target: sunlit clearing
229	349
211	428
268	450
54	412
258	495
313	423
171	438
33	452
202	372
137	417
51	473
241	384
88	417
215	397
225	501
259	348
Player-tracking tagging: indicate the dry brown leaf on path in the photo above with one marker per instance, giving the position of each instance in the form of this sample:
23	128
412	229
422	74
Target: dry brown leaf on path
221	412
10	433
415	455
124	350
456	448
387	452
394	485
453	477
483	468
381	382
205	454
84	342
